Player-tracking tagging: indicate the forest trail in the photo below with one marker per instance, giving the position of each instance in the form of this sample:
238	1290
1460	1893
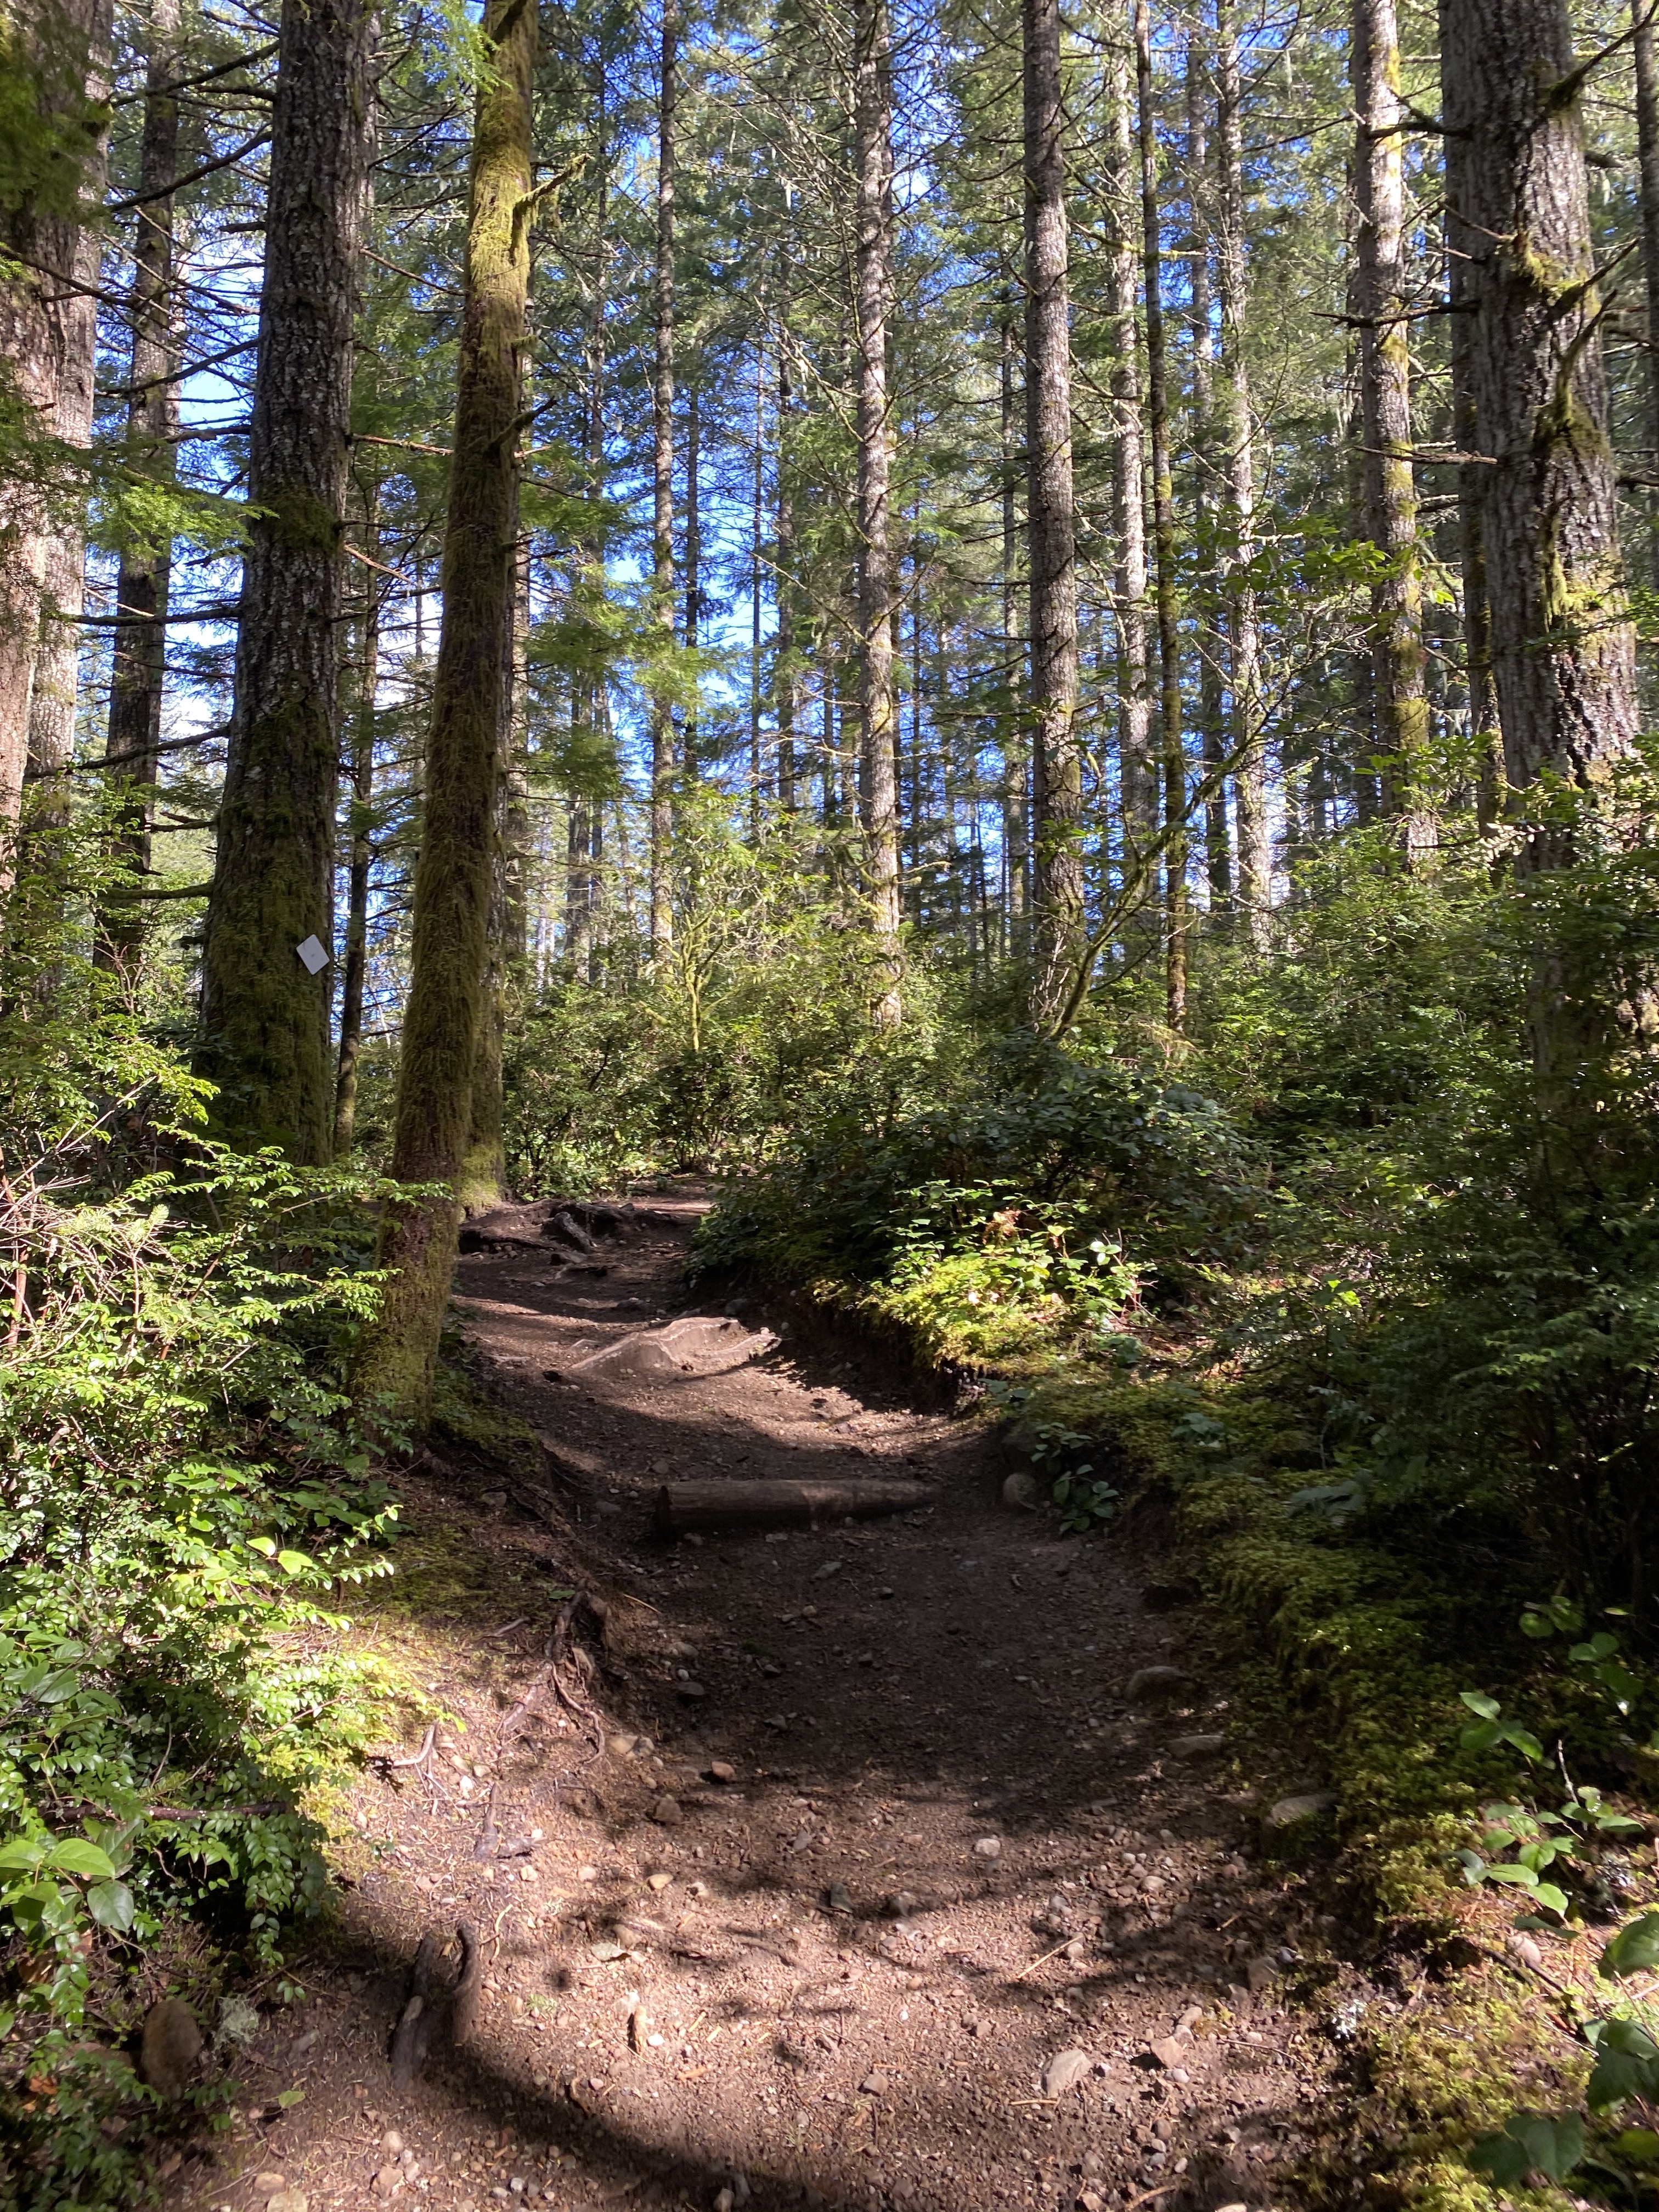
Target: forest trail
882	1891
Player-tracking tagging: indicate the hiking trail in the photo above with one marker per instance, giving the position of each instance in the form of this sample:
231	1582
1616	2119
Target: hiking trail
838	1865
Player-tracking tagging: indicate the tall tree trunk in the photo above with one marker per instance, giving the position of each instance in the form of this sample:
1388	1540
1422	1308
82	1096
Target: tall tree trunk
1056	760
663	762
786	683
57	649
264	1014
872	304
480	1182
1402	702
757	540
1254	883
361	821
1644	43
139	671
1172	745
1217	841
55	51
693	616
1137	779
1016	753
1563	654
1464	248
453	873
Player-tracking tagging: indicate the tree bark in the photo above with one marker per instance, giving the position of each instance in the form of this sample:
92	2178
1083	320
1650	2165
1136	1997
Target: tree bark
453	874
780	1505
872	306
1218	839
1172	747
1561	640
663	762
1254	883
786	682
57	50
362	853
1056	762
1563	652
57	650
1464	248
693	615
1643	45
138	669
1016	756
1401	707
265	1016
1137	779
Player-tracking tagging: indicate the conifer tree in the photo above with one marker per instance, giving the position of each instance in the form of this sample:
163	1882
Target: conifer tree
264	1006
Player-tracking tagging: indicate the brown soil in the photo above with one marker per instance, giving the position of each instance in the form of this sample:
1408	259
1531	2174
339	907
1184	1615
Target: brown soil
817	1980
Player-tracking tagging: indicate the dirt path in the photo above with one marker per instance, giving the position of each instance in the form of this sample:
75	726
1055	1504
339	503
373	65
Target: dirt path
883	1891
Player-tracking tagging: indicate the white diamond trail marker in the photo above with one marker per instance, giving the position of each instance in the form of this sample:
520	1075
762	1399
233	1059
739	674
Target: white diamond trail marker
313	955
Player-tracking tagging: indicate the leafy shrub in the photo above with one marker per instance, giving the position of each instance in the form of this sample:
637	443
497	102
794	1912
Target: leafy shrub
1033	1206
180	1497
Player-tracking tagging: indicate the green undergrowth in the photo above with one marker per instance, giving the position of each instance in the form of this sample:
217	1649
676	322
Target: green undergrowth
1435	2069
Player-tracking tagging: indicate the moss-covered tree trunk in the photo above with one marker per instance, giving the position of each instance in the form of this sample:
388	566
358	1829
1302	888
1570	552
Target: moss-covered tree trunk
1137	778
454	872
56	683
138	675
1051	523
264	1014
1401	705
1463	249
53	58
1645	54
360	819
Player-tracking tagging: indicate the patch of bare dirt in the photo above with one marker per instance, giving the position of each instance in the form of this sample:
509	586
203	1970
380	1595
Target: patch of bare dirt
839	1865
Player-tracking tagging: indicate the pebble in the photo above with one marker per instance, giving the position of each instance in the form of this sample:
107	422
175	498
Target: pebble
1064	2071
1170	2053
688	1693
667	1812
657	1881
1260	1974
1305	1805
721	1770
900	1902
389	2178
829	1567
288	2200
989	1847
1196	1747
267	2184
840	1897
392	2143
1524	1950
1154	1681
874	2085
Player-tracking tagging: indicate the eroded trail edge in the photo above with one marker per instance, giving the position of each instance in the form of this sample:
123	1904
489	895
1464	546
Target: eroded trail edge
875	1864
